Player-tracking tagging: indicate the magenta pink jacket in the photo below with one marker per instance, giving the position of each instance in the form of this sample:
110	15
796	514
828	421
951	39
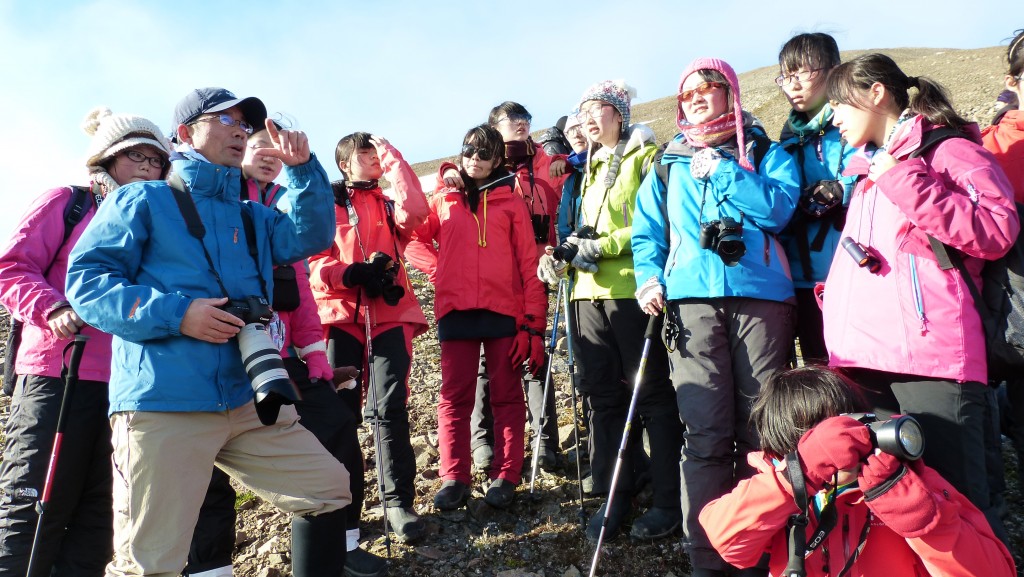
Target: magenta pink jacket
912	317
30	297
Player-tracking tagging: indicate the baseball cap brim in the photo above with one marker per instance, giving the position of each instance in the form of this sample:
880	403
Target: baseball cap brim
253	109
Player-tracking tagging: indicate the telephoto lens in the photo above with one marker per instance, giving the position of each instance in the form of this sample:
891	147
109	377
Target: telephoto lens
263	364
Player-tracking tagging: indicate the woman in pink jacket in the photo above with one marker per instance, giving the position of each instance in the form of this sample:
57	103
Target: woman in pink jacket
77	537
898	323
487	294
888	517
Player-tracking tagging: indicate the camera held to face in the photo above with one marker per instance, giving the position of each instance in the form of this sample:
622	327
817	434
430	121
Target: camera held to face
821	198
566	251
900	436
261	358
725	237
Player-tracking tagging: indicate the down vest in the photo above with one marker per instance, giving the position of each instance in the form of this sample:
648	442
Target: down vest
912	317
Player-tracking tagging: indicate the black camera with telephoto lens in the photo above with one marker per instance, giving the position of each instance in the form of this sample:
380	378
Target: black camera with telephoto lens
725	237
821	198
261	358
566	251
900	436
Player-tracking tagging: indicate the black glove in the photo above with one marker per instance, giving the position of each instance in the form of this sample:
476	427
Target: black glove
360	274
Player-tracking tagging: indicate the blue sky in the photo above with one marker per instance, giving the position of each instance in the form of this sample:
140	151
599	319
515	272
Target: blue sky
419	73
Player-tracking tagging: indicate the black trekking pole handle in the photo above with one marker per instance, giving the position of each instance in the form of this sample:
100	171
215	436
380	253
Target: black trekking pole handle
653	327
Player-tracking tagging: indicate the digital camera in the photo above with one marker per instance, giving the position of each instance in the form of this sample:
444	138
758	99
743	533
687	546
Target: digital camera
821	198
725	237
900	436
541	227
566	251
261	358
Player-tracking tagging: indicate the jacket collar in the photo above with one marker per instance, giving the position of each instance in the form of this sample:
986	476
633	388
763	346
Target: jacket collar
208	179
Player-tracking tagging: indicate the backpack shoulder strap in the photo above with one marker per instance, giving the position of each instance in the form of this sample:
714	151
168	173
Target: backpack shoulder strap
933	137
661	170
762	143
75	209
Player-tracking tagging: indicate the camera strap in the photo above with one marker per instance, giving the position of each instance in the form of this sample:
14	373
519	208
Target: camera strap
799	546
195	226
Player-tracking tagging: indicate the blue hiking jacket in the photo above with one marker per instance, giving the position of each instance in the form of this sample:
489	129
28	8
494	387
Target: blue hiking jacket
667	224
824	156
136	269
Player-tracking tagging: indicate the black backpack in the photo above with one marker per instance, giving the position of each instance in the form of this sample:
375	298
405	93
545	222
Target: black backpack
1000	302
74	211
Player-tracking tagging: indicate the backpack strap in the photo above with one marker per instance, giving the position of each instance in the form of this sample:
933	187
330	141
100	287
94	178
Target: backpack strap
187	206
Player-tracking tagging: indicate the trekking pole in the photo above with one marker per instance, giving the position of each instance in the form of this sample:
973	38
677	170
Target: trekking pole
649	335
371	379
547	386
573	384
70	381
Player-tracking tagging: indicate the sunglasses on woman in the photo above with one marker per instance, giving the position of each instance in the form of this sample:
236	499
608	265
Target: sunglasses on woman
469	150
703	89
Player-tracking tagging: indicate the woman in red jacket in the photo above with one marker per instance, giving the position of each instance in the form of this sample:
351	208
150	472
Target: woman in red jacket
1005	140
486	293
891	517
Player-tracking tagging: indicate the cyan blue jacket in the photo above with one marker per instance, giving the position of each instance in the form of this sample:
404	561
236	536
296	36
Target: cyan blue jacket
670	250
824	157
136	269
569	203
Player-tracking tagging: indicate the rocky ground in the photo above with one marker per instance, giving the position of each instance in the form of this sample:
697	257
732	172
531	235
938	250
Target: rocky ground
541	535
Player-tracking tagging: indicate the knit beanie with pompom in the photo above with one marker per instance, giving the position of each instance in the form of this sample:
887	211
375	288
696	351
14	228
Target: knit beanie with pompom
614	92
112	133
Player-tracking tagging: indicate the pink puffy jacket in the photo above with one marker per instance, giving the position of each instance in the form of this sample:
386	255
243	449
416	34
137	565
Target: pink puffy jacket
30	295
912	317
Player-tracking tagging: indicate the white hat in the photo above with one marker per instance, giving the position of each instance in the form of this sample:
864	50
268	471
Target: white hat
112	133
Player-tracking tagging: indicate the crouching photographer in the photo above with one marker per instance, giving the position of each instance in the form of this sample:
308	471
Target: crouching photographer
829	481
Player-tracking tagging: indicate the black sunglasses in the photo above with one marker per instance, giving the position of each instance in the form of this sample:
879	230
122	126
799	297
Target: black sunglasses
469	150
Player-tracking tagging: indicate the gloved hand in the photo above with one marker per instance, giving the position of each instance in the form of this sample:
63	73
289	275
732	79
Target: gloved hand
590	249
318	366
365	275
345	378
584	265
550	270
835	444
704	163
536	360
898	496
650	296
370	275
520	349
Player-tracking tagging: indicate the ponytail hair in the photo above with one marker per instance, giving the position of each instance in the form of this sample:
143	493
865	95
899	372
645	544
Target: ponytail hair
850	81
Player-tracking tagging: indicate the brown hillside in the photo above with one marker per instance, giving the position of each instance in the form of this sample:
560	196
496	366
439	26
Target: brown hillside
973	78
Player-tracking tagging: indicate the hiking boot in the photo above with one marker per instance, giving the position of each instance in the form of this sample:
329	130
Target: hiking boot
621	506
656	523
362	563
406	524
500	494
453	494
482	457
549	459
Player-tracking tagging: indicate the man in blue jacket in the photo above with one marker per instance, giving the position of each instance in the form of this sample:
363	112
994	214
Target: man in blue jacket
180	398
